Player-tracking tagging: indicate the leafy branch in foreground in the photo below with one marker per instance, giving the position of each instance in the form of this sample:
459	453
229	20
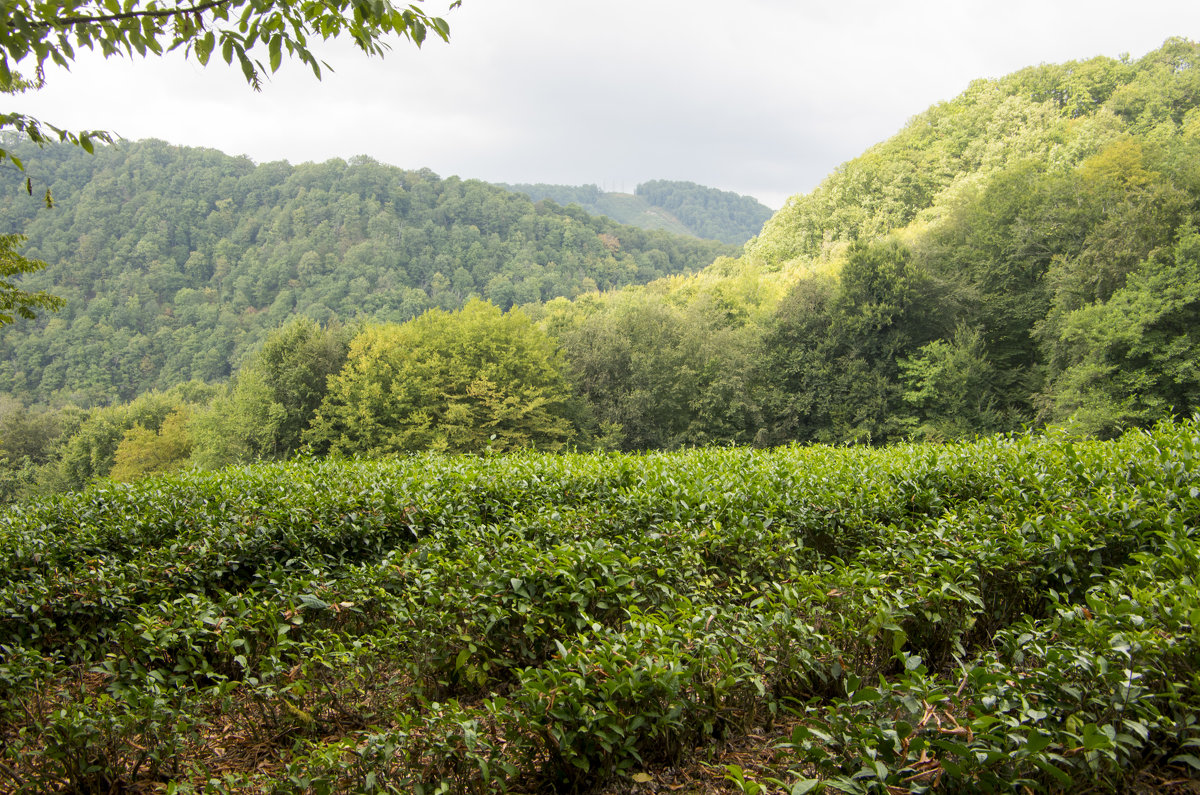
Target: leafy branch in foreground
32	33
43	31
13	300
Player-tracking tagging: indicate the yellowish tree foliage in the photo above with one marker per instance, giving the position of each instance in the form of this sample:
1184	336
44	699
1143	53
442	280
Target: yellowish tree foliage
144	452
465	381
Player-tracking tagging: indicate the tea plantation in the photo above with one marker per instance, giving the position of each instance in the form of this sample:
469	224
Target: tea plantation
1017	612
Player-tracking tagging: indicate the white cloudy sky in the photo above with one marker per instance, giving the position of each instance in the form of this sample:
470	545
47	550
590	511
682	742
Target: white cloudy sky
762	97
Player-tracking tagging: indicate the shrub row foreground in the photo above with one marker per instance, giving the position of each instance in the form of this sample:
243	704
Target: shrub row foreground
1013	612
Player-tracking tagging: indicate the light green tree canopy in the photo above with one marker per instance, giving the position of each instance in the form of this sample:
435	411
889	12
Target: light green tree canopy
1132	360
458	382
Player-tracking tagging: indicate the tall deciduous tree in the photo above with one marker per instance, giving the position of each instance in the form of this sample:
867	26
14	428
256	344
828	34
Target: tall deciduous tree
949	383
658	375
273	398
830	369
144	452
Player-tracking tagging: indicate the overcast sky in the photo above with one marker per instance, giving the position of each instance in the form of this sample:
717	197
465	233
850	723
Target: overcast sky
762	97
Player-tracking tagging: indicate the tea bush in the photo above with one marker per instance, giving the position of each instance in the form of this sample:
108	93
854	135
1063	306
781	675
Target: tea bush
1017	611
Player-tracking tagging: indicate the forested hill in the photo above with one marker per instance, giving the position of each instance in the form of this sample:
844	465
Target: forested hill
682	207
176	261
1024	254
1049	118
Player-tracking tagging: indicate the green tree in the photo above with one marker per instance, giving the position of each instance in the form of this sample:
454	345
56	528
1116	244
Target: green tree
273	398
1134	359
950	385
91	450
27	434
996	246
30	441
247	31
294	366
459	382
144	452
830	370
659	373
236	427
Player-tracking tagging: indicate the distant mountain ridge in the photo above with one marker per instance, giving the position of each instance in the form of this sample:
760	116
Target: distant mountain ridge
684	208
176	261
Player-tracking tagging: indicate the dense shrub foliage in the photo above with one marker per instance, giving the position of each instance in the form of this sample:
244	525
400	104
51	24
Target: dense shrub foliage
1013	612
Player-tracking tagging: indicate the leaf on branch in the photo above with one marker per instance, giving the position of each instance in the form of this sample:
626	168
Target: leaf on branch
248	70
276	48
204	47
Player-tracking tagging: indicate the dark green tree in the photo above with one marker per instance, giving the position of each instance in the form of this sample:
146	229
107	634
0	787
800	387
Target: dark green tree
950	386
294	365
830	367
1134	359
658	375
14	301
273	398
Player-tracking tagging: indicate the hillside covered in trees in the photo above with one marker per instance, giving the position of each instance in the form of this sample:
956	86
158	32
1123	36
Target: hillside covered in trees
1025	254
682	207
174	262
